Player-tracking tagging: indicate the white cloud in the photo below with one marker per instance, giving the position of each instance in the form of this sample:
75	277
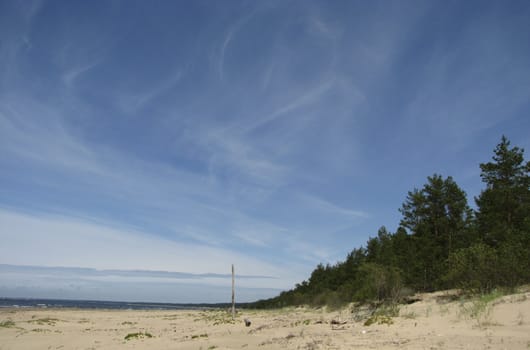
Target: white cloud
325	206
30	282
306	99
243	160
132	101
224	46
58	241
43	140
72	74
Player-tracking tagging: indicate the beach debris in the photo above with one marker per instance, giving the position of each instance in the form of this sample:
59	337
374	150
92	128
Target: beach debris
337	325
247	322
335	322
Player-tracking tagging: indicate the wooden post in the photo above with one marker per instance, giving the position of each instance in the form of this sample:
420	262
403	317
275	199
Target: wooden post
233	295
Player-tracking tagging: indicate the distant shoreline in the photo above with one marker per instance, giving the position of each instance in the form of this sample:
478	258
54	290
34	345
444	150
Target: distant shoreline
38	303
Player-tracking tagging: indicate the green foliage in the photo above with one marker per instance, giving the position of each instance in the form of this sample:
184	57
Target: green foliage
440	243
513	267
439	220
138	335
473	269
7	324
480	268
379	319
383	314
480	306
504	206
216	317
45	321
377	282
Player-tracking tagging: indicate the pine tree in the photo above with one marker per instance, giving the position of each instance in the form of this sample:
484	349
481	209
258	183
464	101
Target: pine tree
438	219
504	206
503	214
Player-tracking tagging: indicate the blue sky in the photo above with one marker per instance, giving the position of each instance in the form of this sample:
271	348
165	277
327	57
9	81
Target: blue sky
188	136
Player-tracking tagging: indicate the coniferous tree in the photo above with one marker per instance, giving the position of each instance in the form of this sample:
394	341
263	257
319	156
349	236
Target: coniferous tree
503	214
405	254
438	218
504	206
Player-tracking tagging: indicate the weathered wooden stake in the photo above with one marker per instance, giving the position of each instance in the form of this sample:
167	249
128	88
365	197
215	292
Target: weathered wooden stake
233	295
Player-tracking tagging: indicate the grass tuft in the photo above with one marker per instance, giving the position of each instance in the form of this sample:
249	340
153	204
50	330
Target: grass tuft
196	336
7	324
45	321
383	314
138	335
479	308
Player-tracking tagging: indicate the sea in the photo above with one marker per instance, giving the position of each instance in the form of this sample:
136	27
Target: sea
97	304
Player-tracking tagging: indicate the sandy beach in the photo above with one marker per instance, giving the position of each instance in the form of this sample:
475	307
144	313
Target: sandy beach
435	321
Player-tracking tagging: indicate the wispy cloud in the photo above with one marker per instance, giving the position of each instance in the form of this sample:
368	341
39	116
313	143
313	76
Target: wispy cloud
15	31
233	154
306	99
74	73
45	140
56	241
226	40
224	46
324	205
131	102
201	214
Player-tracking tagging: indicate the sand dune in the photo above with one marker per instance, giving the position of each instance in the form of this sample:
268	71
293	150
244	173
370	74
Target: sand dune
436	321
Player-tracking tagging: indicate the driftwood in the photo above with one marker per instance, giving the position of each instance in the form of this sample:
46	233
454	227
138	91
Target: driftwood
338	325
335	322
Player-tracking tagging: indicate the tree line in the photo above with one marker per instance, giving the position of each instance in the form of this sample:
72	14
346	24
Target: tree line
440	243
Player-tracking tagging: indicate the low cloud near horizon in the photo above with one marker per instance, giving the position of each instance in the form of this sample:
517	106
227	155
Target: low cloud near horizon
87	260
128	285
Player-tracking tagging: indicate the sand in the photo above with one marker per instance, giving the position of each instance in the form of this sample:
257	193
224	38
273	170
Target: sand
436	321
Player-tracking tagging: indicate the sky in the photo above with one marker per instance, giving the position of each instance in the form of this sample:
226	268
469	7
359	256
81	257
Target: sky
146	146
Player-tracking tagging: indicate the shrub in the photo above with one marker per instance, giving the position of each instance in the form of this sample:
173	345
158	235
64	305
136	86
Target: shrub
480	268
513	264
473	269
378	282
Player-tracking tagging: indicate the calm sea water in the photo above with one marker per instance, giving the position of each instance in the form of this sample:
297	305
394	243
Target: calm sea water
93	304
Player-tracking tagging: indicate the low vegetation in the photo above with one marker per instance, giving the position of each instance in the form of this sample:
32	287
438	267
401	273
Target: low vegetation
479	307
217	317
45	321
7	324
138	335
197	336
